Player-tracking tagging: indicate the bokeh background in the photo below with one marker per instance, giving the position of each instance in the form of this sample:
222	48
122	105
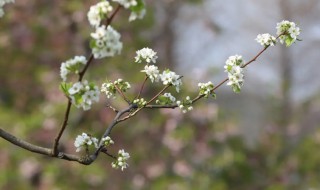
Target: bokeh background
267	137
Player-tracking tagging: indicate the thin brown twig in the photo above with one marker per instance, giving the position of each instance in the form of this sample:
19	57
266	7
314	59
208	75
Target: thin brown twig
157	95
122	94
139	109
255	58
63	127
104	150
109	20
130	115
142	86
113	109
81	74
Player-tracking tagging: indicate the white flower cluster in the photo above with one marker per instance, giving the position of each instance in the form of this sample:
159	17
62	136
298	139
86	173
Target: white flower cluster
2	3
165	99
170	97
121	160
84	141
127	3
171	78
235	72
266	40
167	77
72	65
185	105
106	141
288	31
137	8
147	55
83	94
99	12
206	89
152	72
140	102
110	88
137	15
105	42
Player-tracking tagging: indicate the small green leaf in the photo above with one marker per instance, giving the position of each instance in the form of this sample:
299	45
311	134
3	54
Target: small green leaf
289	41
140	6
236	88
92	43
65	87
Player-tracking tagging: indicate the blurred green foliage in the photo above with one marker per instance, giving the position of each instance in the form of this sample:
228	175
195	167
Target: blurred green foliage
200	150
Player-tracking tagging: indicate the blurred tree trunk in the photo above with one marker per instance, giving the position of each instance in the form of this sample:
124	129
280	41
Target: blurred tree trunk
165	38
286	66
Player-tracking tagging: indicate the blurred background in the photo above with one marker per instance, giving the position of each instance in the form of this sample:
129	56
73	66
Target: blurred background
266	137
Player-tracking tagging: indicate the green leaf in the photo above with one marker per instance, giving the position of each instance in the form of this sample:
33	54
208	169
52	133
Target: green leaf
140	6
236	89
289	41
64	87
92	43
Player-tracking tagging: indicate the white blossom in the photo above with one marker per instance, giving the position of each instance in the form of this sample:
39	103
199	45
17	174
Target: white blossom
185	105
171	78
121	161
236	77
105	42
83	95
98	12
84	141
235	72
107	141
140	102
147	55
234	60
126	3
288	31
294	31
171	98
72	65
76	87
166	99
137	15
152	72
90	96
266	39
2	3
206	88
110	89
